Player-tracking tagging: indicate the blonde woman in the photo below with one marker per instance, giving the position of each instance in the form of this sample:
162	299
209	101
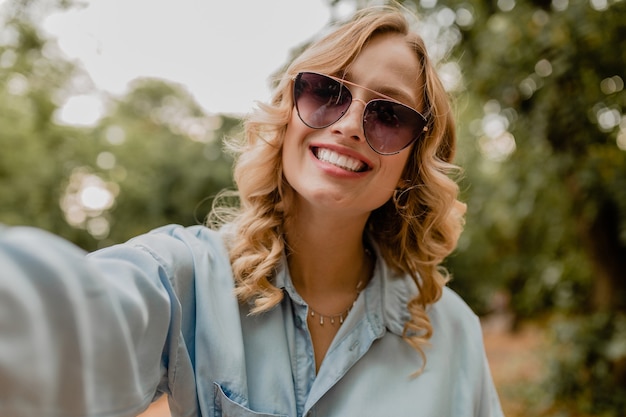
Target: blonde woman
322	295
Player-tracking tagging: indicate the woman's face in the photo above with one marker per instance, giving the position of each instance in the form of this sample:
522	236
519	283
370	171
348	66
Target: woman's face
333	169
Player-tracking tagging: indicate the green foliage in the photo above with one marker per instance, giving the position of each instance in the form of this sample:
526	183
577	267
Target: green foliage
542	138
550	214
166	156
155	158
29	140
589	363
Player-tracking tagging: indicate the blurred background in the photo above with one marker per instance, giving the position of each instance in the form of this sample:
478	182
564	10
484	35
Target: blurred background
112	116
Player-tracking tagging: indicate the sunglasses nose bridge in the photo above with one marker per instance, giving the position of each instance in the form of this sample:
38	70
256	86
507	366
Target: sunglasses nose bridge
361	111
351	119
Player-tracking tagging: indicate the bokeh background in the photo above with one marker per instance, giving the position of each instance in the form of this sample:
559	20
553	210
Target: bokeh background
539	90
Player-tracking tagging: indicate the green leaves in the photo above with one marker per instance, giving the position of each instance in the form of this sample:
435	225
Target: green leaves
154	158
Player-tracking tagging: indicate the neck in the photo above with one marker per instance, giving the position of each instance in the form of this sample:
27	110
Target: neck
327	258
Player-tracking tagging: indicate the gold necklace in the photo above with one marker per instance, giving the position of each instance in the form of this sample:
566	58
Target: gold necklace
332	317
341	317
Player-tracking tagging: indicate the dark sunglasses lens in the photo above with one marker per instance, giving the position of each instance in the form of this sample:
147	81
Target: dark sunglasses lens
390	127
320	101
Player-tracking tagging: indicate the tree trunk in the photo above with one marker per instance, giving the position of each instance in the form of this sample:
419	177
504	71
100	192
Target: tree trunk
608	258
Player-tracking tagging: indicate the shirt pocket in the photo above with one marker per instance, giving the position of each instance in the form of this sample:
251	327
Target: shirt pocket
226	406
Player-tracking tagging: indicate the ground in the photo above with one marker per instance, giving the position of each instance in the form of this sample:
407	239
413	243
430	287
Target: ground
517	364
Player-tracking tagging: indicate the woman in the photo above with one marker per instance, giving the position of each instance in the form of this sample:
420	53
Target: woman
323	295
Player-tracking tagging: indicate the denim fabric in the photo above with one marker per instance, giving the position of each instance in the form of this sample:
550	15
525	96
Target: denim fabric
105	334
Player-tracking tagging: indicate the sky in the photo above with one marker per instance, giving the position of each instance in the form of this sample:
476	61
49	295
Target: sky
223	51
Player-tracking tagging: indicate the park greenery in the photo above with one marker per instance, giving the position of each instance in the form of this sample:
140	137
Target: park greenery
539	92
542	138
154	158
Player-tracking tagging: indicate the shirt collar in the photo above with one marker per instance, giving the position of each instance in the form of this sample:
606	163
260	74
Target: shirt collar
394	290
386	295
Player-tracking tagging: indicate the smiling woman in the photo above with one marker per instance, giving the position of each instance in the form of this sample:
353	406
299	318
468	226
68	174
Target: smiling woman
321	293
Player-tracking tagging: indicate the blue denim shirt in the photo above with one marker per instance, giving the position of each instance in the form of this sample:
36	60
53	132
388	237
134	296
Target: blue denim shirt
104	334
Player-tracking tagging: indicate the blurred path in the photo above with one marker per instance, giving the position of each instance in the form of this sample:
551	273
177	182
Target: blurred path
517	361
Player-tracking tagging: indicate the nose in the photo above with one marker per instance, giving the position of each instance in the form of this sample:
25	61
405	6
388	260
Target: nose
351	124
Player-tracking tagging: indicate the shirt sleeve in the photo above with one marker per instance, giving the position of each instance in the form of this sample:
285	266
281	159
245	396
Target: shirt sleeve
462	329
86	335
488	404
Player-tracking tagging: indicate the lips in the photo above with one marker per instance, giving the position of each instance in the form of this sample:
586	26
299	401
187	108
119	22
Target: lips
340	160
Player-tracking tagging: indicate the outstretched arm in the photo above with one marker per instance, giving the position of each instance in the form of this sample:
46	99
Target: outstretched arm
80	336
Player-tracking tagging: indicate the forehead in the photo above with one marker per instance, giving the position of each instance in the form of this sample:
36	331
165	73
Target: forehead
388	64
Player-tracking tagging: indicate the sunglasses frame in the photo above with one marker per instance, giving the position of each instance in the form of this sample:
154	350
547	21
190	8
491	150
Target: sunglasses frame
382	96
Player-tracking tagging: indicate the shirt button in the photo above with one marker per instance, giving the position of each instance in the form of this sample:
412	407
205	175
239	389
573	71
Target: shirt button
298	322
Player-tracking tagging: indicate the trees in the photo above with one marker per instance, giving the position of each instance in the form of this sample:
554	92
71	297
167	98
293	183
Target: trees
556	75
154	158
542	137
34	149
166	156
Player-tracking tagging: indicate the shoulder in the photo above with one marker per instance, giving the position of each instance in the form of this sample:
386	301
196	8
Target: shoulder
453	319
178	252
450	311
453	305
174	234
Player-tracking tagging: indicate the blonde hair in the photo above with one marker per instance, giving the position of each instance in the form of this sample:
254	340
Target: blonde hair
414	231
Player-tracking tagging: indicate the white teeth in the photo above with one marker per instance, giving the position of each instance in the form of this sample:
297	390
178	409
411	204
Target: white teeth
341	161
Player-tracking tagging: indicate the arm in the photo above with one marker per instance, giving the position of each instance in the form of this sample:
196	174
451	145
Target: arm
82	336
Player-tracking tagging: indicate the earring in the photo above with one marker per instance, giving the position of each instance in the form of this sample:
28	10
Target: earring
401	197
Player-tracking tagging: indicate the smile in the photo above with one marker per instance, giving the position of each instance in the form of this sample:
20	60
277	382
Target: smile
341	161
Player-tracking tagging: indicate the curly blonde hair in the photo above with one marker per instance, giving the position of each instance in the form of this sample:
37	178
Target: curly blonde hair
414	231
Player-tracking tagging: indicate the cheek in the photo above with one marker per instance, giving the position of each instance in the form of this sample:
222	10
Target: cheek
293	145
295	133
287	154
395	167
390	177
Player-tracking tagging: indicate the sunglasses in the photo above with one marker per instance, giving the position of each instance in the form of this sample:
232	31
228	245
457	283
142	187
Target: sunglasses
389	126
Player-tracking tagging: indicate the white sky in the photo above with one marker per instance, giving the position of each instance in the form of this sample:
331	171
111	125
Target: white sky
222	50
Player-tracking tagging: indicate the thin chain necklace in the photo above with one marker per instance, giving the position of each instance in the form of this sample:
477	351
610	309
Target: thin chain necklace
340	317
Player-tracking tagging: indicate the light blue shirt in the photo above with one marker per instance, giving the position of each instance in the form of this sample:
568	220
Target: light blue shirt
104	334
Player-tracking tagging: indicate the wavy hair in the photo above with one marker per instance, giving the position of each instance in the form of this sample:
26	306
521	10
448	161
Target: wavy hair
415	230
